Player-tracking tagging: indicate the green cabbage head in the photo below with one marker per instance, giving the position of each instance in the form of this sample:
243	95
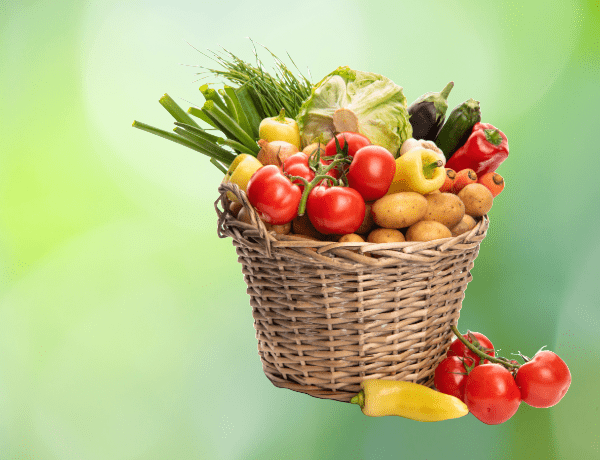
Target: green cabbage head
377	101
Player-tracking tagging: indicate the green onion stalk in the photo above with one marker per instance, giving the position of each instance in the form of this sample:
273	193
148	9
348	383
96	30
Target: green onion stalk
235	112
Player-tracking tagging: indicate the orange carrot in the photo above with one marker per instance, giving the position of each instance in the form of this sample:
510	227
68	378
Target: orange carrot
464	177
449	182
493	181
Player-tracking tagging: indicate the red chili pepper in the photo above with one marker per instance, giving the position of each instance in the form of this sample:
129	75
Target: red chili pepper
483	152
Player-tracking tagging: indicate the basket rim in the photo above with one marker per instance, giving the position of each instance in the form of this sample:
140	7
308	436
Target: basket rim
323	250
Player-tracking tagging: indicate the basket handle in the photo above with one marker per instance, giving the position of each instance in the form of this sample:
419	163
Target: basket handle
243	199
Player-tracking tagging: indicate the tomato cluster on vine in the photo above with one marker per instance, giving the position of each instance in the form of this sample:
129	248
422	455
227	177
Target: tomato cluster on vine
493	387
332	188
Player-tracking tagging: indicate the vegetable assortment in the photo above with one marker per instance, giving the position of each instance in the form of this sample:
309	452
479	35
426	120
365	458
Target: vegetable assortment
346	160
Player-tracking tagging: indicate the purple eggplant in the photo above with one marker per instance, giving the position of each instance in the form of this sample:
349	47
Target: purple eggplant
428	112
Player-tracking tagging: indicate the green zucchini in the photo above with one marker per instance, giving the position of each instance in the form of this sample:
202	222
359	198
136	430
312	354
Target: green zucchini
458	127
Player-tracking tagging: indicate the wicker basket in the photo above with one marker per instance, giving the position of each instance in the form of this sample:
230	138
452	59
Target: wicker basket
327	316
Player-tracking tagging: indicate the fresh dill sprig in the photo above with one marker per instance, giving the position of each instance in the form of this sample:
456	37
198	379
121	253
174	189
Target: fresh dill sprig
283	89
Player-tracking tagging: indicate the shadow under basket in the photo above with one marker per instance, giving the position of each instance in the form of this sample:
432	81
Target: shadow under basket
328	316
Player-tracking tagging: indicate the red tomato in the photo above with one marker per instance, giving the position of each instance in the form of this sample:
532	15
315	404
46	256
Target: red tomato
459	349
544	380
355	142
450	376
297	165
273	195
491	394
335	210
371	172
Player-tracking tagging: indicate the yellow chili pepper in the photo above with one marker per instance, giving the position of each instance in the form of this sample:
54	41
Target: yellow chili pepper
280	128
406	399
418	170
240	171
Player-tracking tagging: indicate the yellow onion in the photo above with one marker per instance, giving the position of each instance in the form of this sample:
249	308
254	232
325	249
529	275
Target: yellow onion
275	152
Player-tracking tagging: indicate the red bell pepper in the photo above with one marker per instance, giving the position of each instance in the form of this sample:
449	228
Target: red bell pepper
483	152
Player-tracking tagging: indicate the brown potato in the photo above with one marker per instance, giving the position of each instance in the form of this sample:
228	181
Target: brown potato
282	229
235	207
301	225
477	198
245	217
427	230
351	238
385	235
466	224
312	148
445	208
399	210
306	237
332	237
368	222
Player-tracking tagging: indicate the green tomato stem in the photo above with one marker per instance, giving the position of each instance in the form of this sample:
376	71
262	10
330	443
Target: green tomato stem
307	189
321	171
498	360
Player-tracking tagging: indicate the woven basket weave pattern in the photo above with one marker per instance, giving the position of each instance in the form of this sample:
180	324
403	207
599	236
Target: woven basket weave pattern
328	316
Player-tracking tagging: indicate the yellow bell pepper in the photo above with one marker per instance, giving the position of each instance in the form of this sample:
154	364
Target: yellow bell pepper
418	170
280	128
240	171
407	399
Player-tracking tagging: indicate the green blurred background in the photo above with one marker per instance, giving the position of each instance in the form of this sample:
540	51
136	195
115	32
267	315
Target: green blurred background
125	328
